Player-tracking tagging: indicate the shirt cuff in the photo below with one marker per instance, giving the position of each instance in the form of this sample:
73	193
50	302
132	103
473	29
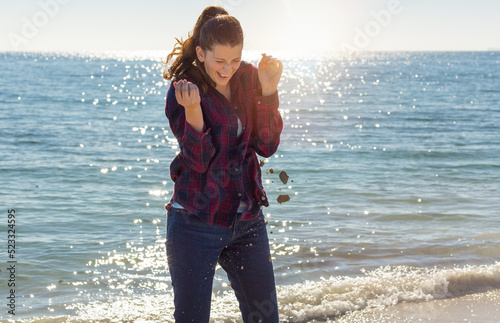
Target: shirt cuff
268	101
194	136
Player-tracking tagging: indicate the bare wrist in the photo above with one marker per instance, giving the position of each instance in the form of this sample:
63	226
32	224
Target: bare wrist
193	107
268	92
194	116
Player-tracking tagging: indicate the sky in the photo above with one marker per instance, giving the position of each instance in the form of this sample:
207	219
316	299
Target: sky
268	25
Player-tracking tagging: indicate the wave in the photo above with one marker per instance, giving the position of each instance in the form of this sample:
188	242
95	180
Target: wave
311	300
382	287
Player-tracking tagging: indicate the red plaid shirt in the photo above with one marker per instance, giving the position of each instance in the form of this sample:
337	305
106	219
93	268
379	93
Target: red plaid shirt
216	169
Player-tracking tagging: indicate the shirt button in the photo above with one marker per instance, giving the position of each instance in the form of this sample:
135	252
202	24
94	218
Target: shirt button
235	107
239	194
258	102
236	169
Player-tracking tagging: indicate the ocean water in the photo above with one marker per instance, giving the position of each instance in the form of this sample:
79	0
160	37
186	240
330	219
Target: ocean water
394	165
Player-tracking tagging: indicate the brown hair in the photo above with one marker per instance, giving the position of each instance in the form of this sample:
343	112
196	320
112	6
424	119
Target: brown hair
214	27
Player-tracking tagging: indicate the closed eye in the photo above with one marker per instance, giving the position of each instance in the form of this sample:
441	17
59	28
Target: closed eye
236	61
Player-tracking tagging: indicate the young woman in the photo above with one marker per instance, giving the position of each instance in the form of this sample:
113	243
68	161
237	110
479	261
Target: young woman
223	111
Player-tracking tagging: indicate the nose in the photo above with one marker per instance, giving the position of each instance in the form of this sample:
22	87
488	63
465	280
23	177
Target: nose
227	68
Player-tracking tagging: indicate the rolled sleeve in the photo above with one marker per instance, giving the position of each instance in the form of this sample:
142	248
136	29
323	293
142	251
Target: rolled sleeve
197	148
267	102
268	124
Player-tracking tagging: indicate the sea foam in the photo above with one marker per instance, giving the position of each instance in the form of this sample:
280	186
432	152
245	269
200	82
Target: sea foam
382	287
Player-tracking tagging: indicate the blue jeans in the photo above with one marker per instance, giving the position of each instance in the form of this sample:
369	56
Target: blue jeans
193	250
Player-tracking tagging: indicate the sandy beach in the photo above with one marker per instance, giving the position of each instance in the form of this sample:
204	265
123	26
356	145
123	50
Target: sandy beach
481	307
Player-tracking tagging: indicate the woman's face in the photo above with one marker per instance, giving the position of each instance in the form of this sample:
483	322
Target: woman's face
221	63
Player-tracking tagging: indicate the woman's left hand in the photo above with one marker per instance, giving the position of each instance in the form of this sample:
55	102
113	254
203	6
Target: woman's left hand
270	70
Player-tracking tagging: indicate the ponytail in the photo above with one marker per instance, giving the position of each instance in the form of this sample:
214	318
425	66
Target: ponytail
186	61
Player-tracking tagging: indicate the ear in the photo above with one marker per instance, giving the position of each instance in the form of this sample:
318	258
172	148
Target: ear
200	53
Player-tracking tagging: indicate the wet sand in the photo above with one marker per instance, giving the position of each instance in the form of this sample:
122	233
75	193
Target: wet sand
283	198
284	177
481	307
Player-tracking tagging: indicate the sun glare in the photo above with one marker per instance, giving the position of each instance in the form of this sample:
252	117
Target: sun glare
311	28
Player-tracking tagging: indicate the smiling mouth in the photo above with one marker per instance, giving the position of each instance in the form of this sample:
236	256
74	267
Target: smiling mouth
223	76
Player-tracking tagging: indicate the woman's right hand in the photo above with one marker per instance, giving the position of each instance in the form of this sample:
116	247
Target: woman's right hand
187	94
